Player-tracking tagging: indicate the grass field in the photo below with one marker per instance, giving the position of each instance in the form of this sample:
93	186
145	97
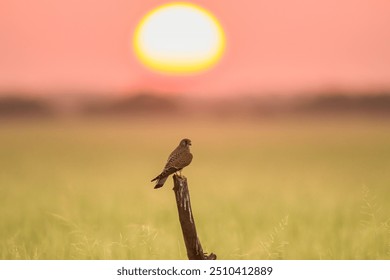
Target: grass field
266	190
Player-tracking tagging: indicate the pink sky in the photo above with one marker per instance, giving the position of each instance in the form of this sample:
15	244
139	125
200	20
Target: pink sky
272	46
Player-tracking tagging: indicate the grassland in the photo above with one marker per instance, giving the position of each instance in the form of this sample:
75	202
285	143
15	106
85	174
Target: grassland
264	190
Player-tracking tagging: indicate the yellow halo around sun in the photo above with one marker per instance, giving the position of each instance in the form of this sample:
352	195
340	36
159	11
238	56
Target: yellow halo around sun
179	38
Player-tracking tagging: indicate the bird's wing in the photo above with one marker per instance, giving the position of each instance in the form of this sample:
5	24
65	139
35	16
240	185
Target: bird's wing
172	159
183	160
166	172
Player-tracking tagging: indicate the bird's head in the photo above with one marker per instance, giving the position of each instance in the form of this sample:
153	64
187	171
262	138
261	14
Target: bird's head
185	142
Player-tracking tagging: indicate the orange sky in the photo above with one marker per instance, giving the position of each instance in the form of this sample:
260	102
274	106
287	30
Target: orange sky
272	46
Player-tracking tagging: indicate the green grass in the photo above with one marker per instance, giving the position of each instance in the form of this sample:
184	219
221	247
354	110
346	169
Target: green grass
267	190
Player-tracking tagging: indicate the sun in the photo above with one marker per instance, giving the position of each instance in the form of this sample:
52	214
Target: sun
179	38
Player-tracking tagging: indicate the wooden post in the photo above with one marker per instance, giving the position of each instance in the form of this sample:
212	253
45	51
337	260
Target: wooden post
193	246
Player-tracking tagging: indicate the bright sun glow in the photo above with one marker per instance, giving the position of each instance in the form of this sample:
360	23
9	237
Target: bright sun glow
179	38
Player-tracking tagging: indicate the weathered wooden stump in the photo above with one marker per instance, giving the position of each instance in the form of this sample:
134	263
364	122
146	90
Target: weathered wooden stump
193	246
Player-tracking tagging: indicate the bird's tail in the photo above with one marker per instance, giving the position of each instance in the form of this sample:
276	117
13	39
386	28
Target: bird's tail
160	182
163	176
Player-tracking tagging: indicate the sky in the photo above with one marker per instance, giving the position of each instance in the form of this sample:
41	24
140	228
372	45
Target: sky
289	47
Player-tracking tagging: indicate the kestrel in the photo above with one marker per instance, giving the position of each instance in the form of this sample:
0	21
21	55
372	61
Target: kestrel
177	160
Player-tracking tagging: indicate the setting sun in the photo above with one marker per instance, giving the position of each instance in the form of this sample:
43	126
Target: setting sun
179	38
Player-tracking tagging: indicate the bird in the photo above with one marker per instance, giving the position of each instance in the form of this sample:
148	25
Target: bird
177	160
